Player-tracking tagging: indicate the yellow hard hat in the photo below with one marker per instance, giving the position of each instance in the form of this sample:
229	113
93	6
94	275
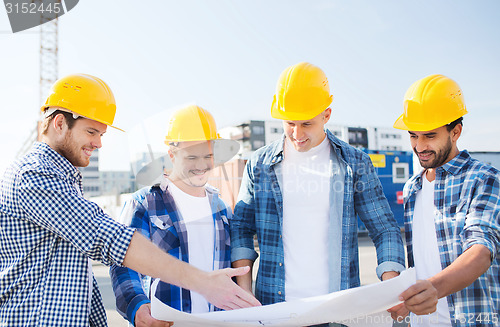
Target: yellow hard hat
191	123
84	95
430	103
302	93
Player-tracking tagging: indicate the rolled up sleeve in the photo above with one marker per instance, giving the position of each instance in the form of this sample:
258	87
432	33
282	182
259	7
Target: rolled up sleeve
482	223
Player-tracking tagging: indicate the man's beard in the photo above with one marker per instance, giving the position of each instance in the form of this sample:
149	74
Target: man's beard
439	158
71	151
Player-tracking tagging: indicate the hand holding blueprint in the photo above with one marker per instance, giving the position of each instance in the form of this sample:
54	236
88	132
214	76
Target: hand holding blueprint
361	306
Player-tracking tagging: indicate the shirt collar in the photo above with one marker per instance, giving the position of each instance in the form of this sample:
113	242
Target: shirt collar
60	161
457	163
333	139
278	151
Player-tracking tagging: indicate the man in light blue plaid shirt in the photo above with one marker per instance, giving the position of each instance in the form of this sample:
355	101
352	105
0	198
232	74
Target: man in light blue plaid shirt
302	195
452	215
49	231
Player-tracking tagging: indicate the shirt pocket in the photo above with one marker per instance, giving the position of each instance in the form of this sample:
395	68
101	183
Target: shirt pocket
163	232
162	222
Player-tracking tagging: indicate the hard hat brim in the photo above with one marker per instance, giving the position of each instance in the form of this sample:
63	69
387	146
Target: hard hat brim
97	120
400	124
224	150
121	130
279	114
103	122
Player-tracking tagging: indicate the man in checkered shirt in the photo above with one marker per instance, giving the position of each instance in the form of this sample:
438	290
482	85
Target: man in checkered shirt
452	215
49	231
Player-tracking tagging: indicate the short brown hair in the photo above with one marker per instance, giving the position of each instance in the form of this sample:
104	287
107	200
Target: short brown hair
70	121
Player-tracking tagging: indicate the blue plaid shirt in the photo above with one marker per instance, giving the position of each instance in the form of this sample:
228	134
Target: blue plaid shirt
48	231
260	211
467	203
153	212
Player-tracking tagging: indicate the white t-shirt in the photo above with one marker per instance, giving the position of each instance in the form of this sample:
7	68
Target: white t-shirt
426	253
197	215
306	194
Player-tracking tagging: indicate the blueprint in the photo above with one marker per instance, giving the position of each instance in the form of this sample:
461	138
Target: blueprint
356	307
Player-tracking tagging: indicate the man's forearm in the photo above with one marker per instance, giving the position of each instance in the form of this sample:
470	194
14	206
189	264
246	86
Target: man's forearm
244	281
469	266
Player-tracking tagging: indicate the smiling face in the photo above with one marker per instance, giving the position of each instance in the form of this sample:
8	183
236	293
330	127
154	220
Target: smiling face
77	143
436	147
192	163
306	134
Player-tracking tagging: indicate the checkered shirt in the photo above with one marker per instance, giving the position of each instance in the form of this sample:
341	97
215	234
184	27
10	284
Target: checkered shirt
152	210
467	209
259	210
47	233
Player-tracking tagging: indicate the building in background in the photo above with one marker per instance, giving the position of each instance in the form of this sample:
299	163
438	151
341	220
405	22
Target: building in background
227	179
90	174
116	182
388	139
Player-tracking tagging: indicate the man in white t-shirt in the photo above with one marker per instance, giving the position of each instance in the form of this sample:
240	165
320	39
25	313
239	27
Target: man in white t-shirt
182	215
302	195
452	212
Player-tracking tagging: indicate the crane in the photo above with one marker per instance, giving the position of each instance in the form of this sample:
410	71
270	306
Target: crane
49	49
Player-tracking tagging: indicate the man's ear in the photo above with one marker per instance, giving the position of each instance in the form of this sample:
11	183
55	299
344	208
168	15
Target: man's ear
59	123
327	114
171	155
456	132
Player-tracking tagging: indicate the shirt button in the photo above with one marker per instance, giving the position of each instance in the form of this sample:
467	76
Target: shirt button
280	264
279	292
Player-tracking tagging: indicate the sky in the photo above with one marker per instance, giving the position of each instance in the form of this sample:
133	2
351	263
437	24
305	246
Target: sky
227	55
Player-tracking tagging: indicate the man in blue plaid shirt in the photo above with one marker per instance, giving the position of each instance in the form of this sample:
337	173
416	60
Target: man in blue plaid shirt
301	196
452	215
181	214
49	231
